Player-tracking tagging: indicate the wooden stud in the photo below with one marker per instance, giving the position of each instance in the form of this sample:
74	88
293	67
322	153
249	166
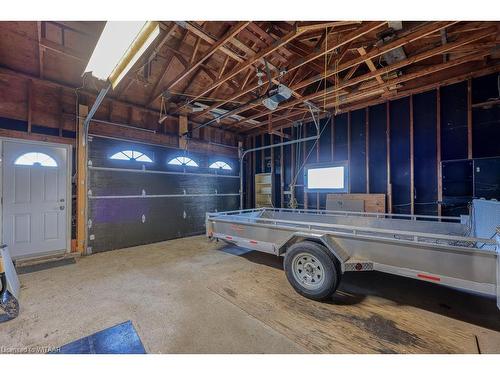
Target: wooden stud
282	174
438	150
412	161
292	159
273	171
263	156
81	193
333	138
388	157
469	118
317	160
306	200
367	148
254	169
183	128
349	149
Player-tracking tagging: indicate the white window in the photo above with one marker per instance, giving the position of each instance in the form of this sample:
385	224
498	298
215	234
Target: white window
132	155
331	178
182	160
220	165
37	159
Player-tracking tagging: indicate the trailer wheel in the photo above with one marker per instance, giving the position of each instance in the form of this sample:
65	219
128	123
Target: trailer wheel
311	270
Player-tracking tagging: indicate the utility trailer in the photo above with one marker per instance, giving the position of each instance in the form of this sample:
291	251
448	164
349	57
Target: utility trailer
319	246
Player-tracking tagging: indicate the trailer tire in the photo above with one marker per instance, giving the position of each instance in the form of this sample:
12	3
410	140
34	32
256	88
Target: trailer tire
311	270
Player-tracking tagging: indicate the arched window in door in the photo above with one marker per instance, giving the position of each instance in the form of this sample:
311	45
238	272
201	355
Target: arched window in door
36	159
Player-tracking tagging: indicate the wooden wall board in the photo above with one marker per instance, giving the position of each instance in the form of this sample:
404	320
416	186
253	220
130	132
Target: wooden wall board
372	202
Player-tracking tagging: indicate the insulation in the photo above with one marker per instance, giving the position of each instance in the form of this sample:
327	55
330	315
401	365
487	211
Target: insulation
425	163
378	149
454	121
400	155
357	162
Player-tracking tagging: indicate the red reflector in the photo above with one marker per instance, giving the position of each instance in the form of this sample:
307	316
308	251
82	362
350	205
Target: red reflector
229	237
358	266
252	241
429	277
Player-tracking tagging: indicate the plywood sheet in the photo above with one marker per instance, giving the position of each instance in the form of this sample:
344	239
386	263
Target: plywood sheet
372	202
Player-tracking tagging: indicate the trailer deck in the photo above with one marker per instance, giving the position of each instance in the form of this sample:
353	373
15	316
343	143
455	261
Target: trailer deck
434	249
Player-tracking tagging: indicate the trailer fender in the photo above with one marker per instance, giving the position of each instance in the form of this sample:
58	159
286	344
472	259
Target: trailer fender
322	239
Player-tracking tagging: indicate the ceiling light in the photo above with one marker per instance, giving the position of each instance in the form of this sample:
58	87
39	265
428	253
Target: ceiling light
119	47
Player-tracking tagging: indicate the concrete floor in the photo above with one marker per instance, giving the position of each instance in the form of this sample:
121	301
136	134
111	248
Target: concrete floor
169	291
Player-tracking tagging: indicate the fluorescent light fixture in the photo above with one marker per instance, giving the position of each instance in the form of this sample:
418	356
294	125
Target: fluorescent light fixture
325	178
119	47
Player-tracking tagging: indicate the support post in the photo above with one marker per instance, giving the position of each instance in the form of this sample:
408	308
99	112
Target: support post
367	148
282	175
388	157
81	182
469	119
412	161
349	150
438	151
183	129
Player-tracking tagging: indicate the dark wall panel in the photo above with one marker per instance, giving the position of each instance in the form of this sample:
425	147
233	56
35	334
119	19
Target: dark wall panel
287	160
454	121
267	154
258	155
340	135
485	119
458	176
357	163
400	155
311	152
485	129
325	141
378	149
425	167
121	222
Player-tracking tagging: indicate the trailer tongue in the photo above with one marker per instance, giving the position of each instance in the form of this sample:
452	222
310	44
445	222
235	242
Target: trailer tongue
319	246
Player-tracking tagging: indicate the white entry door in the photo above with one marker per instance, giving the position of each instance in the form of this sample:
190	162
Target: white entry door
34	198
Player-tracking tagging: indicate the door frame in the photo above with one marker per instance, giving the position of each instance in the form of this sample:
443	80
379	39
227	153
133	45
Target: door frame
69	200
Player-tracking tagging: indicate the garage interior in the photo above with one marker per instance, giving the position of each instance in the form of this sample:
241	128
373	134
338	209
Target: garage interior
106	184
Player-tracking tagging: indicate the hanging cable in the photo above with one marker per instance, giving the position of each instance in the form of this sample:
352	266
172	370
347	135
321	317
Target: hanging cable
293	201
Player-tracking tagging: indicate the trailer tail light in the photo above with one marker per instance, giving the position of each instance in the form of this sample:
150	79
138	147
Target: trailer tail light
428	277
253	242
229	237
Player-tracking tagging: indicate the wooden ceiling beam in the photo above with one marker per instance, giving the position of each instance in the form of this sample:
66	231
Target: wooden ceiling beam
247	64
410	60
215	47
369	63
199	32
364	29
160	79
312	26
426	71
377	51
